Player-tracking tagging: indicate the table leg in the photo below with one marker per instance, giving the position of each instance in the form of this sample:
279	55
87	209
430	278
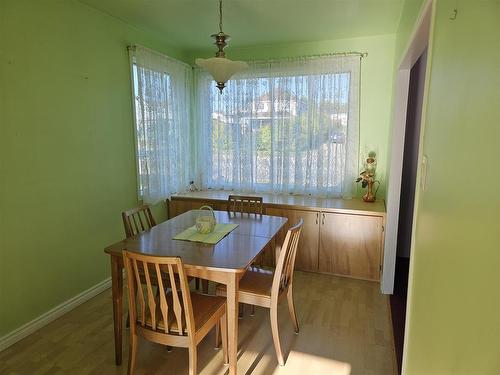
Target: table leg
274	244
117	292
232	321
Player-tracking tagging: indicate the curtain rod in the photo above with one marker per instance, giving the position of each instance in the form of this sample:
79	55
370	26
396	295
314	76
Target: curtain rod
362	55
350	53
333	54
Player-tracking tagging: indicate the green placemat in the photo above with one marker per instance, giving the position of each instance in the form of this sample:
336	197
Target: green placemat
220	231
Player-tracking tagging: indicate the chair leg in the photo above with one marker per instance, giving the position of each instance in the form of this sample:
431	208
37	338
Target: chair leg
291	308
217	335
132	354
197	283
252	310
276	336
204	285
241	310
223	329
263	255
192	359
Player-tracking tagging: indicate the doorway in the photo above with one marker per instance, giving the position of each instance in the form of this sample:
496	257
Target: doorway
406	171
407	199
418	43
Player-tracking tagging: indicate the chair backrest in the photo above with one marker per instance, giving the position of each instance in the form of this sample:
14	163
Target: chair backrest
138	220
283	275
245	204
145	271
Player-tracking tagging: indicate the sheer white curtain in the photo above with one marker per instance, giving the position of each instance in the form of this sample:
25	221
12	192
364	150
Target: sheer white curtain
288	126
162	91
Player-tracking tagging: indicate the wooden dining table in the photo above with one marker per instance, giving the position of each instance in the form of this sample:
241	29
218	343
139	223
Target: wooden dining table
224	262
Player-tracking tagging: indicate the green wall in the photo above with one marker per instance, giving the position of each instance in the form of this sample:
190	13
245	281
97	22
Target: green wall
377	72
67	150
454	302
409	14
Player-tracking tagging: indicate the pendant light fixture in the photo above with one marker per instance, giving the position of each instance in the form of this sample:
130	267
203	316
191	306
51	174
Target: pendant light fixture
219	67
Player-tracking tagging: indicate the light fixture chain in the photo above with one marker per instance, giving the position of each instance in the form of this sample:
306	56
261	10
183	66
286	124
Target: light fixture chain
220	16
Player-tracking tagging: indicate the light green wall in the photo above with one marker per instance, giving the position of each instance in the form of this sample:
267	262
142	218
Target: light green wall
376	84
67	150
409	14
454	302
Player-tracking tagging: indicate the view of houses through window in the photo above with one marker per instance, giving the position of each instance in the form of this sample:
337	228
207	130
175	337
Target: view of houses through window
275	133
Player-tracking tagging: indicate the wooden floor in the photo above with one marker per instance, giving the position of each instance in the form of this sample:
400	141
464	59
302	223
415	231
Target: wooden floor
344	329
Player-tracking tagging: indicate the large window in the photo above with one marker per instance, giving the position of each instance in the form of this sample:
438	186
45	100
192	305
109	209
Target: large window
162	88
286	126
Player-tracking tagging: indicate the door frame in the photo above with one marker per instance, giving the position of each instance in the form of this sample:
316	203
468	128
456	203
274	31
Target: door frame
419	41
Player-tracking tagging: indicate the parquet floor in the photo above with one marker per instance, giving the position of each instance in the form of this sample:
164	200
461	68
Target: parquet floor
345	329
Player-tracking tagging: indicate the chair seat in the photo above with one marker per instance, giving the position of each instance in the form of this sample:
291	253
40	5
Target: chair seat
204	307
255	282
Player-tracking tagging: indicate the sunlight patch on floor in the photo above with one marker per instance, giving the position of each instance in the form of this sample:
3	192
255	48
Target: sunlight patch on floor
312	364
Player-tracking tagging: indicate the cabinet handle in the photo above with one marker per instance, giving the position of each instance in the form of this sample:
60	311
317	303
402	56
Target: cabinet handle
323	221
317	217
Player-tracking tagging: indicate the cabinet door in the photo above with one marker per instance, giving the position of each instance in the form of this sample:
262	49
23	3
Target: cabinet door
307	251
350	245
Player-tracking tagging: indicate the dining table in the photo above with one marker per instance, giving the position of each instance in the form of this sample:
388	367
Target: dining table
225	262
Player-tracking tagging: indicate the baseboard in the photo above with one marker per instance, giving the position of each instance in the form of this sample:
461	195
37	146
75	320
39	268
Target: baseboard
58	311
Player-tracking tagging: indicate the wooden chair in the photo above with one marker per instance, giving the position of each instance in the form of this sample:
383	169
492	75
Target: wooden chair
239	204
261	288
135	221
141	219
138	220
176	317
245	204
250	205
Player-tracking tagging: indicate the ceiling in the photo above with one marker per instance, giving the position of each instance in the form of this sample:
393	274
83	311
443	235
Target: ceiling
188	24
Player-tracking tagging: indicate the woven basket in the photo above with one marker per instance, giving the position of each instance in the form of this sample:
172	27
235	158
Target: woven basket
205	221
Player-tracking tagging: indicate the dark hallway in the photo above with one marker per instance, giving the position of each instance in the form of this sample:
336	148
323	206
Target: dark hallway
406	207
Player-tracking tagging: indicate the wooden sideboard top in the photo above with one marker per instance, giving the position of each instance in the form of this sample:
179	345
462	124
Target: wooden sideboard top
354	206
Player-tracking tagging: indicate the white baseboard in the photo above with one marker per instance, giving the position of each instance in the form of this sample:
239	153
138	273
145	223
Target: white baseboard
58	311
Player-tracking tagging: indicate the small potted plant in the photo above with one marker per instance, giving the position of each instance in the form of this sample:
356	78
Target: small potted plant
367	177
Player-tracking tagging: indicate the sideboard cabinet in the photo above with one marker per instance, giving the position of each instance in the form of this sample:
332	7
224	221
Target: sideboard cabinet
340	237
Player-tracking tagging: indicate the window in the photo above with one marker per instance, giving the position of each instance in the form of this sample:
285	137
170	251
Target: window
161	89
287	126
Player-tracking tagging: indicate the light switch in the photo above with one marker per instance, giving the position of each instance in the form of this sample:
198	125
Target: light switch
424	166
